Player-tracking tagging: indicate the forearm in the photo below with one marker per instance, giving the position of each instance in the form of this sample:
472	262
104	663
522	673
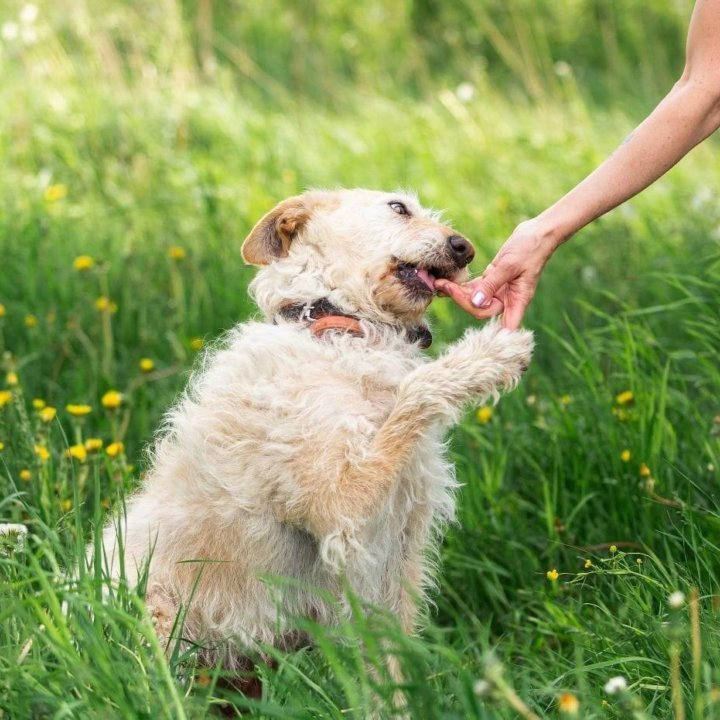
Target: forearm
689	113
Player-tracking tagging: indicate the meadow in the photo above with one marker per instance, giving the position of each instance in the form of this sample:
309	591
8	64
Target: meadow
141	141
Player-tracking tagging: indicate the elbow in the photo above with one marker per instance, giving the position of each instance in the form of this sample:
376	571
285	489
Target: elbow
702	91
702	83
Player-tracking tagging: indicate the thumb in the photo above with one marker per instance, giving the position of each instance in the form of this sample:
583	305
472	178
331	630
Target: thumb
486	286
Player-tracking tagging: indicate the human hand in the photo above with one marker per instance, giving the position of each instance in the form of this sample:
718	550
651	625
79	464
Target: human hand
509	281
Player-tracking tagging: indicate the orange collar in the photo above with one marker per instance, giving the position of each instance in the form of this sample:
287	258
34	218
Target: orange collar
323	316
336	322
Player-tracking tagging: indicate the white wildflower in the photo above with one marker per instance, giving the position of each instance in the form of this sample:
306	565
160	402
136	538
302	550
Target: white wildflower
16	531
562	69
465	92
615	685
482	688
9	31
28	14
676	600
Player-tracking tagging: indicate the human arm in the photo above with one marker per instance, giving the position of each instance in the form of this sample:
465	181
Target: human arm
685	117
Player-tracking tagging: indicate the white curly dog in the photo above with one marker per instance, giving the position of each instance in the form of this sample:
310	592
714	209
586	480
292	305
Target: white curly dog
310	444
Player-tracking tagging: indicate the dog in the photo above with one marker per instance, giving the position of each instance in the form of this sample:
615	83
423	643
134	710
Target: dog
310	444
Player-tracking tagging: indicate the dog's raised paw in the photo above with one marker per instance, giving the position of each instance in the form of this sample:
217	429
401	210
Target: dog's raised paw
519	348
504	353
507	346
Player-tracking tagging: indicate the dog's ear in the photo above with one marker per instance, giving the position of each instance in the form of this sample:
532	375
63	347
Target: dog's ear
270	239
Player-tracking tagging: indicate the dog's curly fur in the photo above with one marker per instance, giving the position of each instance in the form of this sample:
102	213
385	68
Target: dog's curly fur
313	458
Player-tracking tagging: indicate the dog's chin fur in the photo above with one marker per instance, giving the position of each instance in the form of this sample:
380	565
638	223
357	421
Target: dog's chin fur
321	459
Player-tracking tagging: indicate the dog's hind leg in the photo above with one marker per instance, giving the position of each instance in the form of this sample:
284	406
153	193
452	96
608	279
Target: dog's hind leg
163	610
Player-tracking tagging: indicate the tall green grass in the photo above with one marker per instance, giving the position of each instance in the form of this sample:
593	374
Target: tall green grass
129	130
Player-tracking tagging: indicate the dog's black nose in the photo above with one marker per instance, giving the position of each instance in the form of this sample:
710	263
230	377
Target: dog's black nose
461	250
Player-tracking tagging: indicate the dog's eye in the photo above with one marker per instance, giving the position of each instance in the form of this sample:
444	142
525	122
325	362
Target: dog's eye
399	208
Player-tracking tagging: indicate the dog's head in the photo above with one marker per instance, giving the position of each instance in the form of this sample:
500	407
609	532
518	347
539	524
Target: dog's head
372	254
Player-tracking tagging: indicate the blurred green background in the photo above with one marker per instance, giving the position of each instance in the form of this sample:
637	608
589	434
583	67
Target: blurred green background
151	136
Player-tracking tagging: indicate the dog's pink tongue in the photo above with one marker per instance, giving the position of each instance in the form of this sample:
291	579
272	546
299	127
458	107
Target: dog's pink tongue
427	278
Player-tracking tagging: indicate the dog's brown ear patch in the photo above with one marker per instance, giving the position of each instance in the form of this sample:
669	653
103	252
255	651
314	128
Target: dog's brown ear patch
270	239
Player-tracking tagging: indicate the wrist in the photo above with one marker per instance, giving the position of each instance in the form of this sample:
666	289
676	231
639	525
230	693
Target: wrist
554	227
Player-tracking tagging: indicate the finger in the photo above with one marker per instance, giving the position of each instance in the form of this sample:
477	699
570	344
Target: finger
485	288
459	293
513	315
462	298
444	286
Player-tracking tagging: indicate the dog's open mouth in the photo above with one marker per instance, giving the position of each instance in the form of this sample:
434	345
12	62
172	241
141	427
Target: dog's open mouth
422	279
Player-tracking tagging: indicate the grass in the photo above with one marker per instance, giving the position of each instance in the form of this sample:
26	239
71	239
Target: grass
122	143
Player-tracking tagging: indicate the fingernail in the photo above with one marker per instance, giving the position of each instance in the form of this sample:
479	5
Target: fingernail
478	299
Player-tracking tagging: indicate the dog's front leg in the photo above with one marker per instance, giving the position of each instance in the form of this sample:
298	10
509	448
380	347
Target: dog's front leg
479	366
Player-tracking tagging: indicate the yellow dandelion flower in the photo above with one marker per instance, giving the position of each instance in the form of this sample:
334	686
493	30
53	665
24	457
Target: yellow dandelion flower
625	397
31	321
53	193
42	452
78	452
565	400
3	311
644	471
146	365
83	263
115	449
625	455
552	575
105	304
66	505
78	410
112	400
484	415
12	379
25	475
93	444
568	704
588	564
613	549
176	253
197	344
5	397
47	414
38	404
